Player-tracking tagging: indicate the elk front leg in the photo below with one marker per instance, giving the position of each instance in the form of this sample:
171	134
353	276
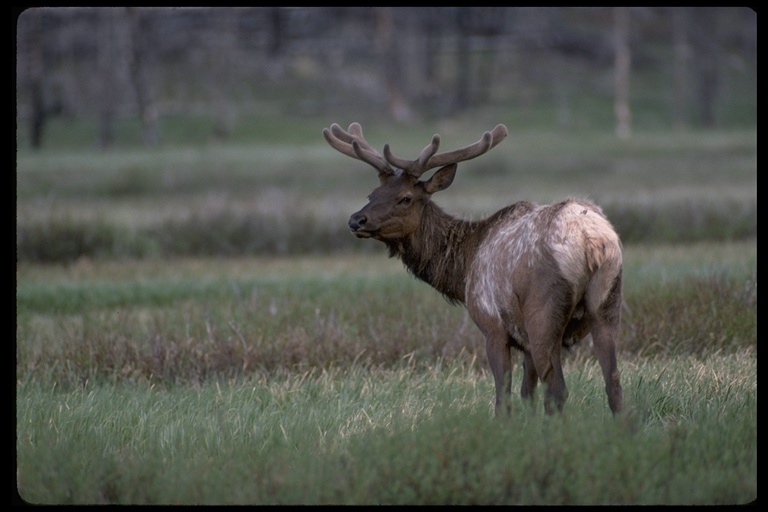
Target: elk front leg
500	361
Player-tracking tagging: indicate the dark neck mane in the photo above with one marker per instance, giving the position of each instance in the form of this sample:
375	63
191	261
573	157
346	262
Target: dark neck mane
440	251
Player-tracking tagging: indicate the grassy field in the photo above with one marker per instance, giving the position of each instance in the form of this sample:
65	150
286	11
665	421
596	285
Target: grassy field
195	326
303	381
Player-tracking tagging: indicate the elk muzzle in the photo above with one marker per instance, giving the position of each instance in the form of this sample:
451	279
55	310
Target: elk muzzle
357	225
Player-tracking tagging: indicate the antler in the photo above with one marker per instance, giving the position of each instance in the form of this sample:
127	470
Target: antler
352	143
428	160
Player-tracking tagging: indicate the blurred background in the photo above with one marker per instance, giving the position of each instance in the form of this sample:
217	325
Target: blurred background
132	74
196	132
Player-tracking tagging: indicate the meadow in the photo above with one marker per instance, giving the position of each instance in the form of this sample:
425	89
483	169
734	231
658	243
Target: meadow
196	326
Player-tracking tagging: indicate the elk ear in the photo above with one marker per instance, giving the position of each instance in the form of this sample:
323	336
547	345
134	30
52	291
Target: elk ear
441	180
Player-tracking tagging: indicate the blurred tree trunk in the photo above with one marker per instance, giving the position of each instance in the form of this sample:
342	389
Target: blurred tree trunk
488	24
386	41
221	48
108	60
681	56
275	62
276	29
463	59
486	68
33	35
34	76
622	72
705	46
430	88
138	71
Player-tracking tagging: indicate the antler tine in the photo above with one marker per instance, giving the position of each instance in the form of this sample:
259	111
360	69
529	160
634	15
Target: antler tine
336	142
428	160
353	144
372	158
499	133
356	130
488	141
414	167
364	150
429	151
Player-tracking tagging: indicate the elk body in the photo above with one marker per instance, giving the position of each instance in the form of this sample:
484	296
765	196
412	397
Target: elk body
532	277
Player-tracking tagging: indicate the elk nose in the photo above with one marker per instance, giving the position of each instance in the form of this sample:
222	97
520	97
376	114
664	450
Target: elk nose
357	221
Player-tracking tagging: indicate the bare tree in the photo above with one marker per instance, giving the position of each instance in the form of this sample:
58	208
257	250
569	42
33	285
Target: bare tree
682	52
705	45
30	36
276	41
430	47
141	81
108	62
490	24
463	58
221	55
386	42
622	72
33	74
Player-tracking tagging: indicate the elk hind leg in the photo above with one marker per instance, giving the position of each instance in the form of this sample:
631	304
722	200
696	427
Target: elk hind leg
545	324
500	361
605	324
545	354
550	370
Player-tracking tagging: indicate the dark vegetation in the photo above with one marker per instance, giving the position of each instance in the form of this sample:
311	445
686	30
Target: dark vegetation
63	240
181	332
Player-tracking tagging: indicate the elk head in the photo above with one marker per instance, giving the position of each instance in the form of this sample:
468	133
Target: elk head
395	207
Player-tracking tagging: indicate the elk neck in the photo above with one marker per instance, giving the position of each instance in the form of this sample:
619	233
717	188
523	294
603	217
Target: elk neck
440	251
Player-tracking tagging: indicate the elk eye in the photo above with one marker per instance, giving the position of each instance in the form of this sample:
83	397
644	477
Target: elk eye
405	200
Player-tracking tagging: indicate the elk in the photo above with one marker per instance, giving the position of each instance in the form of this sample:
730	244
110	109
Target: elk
534	277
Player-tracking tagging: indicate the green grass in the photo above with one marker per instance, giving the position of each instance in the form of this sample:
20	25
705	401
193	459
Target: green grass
203	318
400	436
342	380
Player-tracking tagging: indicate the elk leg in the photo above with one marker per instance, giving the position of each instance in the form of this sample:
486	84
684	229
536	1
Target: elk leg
545	343
545	322
500	361
605	324
604	336
575	331
547	361
530	379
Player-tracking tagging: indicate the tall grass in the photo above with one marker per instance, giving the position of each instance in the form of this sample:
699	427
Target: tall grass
399	436
341	380
188	329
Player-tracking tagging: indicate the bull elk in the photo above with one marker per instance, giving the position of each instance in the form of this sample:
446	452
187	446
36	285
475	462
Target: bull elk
533	277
